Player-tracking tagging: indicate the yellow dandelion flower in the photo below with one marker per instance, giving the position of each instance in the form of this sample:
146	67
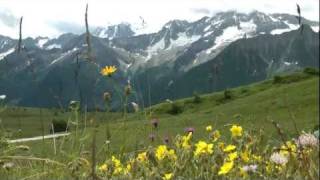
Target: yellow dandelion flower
236	131
142	157
232	156
167	176
225	168
203	148
216	135
209	128
229	148
103	167
108	70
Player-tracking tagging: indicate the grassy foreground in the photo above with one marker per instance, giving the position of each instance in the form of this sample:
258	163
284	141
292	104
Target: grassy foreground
254	110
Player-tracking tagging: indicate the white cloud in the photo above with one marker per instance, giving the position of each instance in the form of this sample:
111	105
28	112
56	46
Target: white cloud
41	15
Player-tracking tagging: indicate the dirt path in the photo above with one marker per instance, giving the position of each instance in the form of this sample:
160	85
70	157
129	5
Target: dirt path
39	138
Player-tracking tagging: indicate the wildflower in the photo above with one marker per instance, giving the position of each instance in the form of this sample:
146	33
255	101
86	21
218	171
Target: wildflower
278	158
189	129
155	123
225	168
118	169
152	137
245	156
236	131
216	135
232	156
162	152
221	145
307	139
167	176
108	70
250	168
203	148
209	128
288	148
166	139
3	97
128	168
103	167
115	161
257	158
269	168
185	141
142	157
229	148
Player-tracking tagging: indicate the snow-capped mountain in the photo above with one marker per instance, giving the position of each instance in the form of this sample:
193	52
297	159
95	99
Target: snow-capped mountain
178	56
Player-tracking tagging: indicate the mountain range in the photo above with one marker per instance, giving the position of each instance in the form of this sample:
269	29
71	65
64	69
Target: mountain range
213	53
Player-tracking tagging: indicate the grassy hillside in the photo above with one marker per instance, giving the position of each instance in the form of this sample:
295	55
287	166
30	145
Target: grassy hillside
291	100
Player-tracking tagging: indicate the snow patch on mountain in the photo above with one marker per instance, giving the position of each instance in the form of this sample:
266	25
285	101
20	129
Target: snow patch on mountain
315	28
41	42
53	46
291	27
64	55
153	50
183	40
4	54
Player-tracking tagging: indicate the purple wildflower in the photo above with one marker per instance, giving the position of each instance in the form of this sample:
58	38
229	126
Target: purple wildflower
155	123
189	129
152	137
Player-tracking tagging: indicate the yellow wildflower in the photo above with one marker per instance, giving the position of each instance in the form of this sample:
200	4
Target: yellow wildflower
269	168
245	156
117	170
232	156
128	168
225	168
203	148
216	135
288	148
209	128
185	141
108	70
221	145
171	154
142	157
229	148
162	152
115	161
257	158
236	131
167	176
117	166
103	167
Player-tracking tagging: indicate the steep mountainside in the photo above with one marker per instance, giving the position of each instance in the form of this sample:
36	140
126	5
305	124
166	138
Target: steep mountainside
213	53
